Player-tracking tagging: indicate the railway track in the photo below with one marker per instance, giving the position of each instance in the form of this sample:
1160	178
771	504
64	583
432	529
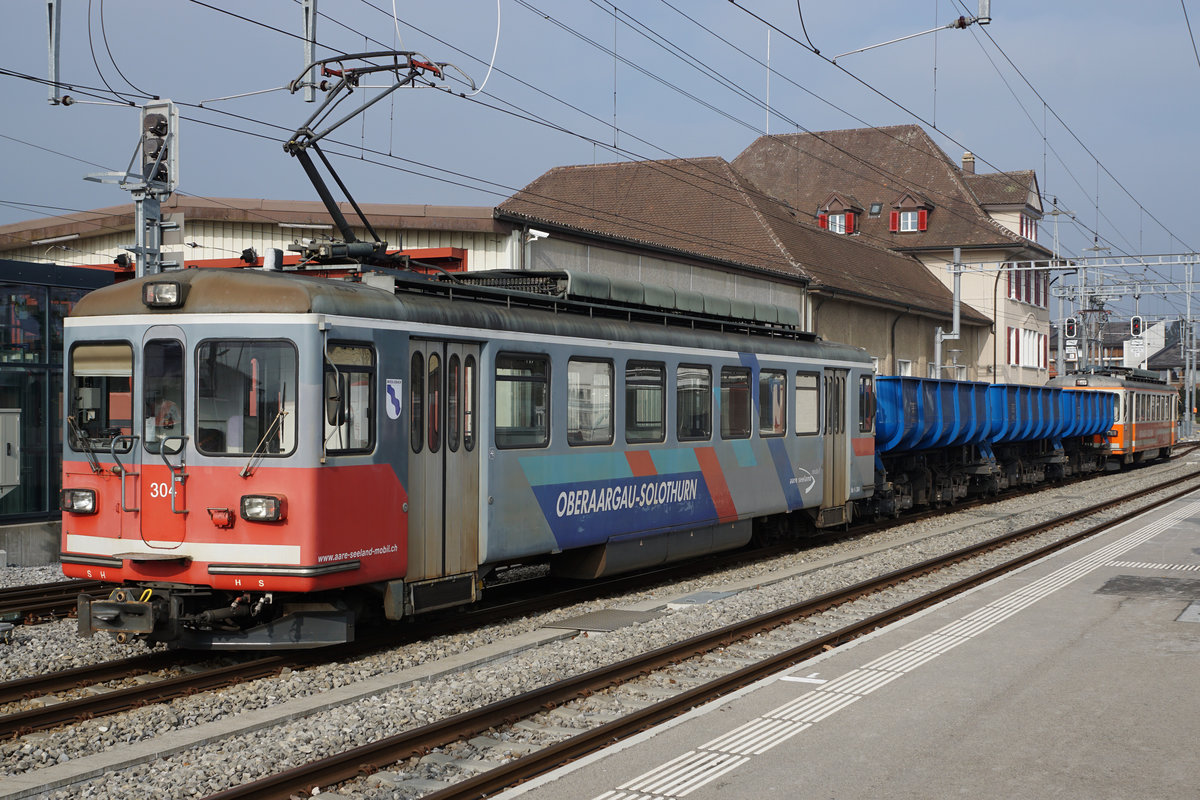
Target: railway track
44	601
504	601
367	759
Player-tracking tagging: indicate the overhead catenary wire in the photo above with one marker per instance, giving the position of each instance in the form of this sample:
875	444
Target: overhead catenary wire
238	15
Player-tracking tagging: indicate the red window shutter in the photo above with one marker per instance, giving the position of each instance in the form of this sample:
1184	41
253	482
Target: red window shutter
1008	351
849	222
823	220
894	222
922	219
1008	276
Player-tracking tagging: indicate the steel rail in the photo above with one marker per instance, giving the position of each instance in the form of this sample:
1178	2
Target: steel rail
366	759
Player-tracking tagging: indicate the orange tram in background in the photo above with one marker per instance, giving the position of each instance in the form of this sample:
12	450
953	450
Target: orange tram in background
1145	414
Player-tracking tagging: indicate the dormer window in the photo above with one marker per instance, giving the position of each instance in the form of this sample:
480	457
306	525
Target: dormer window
839	214
909	215
838	223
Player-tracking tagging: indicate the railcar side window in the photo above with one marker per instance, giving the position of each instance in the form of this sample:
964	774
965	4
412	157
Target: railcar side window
453	402
416	402
246	397
735	402
349	389
645	402
434	409
470	394
772	402
866	404
693	402
101	395
589	402
522	400
808	407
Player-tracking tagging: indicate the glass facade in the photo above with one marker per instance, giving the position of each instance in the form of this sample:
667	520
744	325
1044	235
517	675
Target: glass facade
34	299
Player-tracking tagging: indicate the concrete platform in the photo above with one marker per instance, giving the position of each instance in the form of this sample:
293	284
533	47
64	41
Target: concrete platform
1077	677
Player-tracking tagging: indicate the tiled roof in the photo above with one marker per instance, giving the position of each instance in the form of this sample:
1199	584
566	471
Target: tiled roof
876	165
704	208
1002	188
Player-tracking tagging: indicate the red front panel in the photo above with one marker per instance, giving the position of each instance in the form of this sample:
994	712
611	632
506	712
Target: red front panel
334	516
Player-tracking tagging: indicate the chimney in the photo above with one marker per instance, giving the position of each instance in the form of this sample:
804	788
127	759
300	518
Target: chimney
968	163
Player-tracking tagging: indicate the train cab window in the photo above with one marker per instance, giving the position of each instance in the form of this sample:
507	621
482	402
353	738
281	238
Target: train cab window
522	400
866	404
693	402
162	392
349	389
416	402
735	402
100	406
772	402
469	402
808	406
645	402
246	397
589	402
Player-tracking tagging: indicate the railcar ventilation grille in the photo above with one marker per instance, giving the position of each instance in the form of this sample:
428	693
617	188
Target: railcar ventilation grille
617	293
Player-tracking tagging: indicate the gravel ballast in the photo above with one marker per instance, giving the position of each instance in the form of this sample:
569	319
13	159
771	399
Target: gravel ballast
755	589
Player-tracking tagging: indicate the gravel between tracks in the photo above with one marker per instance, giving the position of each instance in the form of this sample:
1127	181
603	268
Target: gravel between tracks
203	770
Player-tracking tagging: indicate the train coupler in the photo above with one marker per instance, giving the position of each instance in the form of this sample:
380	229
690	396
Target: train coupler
119	613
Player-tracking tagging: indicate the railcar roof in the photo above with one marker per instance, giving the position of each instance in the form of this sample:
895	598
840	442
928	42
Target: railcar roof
251	291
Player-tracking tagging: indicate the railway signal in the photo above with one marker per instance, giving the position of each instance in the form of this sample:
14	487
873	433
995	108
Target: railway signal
1135	326
1071	328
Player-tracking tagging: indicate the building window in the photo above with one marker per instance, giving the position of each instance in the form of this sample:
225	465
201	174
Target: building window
908	221
1029	228
1028	348
903	367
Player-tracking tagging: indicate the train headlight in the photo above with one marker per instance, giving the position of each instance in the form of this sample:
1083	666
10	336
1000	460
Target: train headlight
264	507
77	501
162	294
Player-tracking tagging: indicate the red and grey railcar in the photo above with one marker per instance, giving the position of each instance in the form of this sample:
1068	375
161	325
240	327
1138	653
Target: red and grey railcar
264	459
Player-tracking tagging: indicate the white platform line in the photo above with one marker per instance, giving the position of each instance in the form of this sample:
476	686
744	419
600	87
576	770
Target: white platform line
1145	565
694	769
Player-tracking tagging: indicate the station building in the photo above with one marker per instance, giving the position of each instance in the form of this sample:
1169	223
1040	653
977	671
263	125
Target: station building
894	187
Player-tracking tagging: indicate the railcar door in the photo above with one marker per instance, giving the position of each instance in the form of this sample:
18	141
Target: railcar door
837	459
443	462
164	436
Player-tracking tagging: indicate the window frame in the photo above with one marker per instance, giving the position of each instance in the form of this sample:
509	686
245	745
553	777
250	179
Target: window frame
817	408
371	371
708	434
771	432
296	406
661	366
546	380
728	431
571	360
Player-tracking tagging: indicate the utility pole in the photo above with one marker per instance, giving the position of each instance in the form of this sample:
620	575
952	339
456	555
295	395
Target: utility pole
940	336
